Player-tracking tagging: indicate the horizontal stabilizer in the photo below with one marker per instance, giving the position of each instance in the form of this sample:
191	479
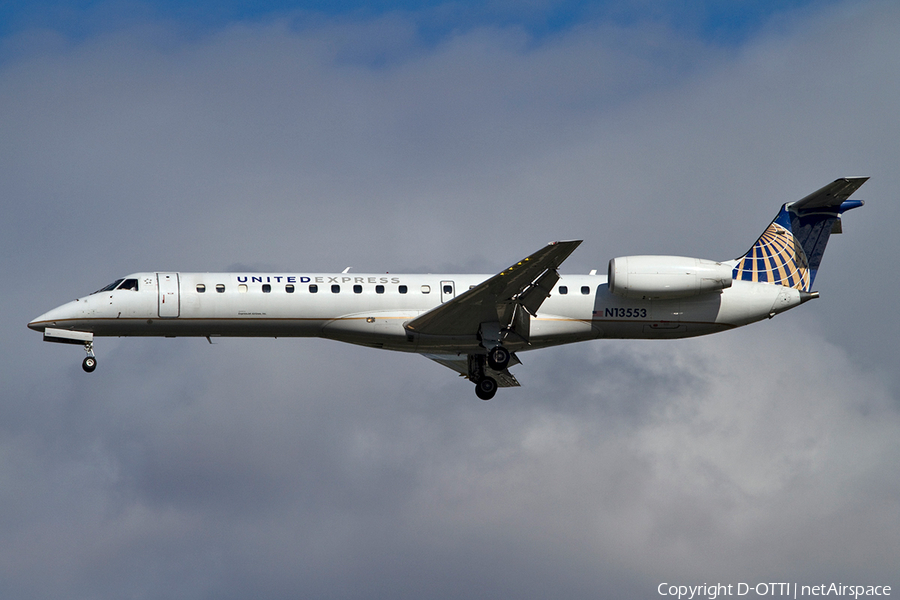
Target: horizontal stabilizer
831	196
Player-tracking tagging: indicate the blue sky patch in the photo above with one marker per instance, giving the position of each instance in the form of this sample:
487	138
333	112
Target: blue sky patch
719	22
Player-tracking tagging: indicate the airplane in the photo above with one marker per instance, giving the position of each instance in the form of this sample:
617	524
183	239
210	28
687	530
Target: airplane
476	324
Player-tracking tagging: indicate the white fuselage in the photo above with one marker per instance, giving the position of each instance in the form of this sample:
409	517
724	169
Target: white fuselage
474	324
371	309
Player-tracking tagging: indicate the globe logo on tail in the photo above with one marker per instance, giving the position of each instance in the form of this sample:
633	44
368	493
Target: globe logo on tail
775	258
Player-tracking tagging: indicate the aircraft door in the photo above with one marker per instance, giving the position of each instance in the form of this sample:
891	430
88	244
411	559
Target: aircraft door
169	301
448	291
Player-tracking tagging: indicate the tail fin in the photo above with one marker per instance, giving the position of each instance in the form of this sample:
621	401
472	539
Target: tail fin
790	250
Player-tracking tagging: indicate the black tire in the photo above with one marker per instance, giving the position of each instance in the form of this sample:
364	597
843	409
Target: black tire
498	358
89	364
486	388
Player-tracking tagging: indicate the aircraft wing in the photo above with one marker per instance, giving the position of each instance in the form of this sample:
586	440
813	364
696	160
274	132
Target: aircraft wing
460	364
525	284
830	196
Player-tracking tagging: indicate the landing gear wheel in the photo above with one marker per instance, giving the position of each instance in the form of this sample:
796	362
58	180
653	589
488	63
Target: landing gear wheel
498	358
486	388
89	364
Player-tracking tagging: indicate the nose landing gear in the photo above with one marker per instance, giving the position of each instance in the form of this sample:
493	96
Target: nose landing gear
90	361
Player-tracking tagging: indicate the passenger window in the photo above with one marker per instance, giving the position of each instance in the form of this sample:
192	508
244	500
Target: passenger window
242	288
448	289
426	289
563	290
379	289
585	290
267	288
357	289
220	288
201	288
313	288
335	289
289	288
402	289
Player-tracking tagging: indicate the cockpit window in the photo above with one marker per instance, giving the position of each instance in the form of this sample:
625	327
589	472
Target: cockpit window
110	287
120	284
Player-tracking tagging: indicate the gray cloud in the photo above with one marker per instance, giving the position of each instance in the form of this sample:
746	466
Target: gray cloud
286	468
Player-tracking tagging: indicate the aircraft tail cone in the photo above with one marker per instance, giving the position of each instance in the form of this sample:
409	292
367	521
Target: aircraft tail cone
805	296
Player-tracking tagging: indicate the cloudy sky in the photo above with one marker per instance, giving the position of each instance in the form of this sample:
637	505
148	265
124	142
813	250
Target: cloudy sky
441	136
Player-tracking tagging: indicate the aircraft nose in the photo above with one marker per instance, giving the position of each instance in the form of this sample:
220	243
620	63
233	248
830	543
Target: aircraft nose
49	318
38	323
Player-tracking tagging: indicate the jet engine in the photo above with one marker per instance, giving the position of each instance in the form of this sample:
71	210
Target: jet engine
666	276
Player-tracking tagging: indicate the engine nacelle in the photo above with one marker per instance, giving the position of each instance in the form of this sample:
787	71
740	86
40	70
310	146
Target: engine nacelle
666	276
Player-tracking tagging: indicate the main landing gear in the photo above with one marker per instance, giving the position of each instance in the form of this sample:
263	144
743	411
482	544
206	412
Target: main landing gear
90	361
485	385
486	388
498	358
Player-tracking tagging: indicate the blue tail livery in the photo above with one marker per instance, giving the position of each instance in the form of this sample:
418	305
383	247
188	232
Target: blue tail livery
790	250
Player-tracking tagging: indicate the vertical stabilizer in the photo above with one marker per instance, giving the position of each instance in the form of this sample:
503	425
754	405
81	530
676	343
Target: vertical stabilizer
790	250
